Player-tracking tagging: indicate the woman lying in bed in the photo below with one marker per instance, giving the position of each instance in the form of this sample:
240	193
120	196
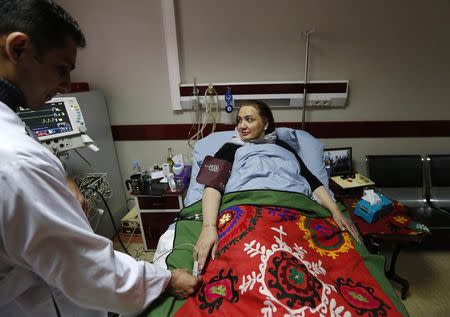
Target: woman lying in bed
277	252
255	125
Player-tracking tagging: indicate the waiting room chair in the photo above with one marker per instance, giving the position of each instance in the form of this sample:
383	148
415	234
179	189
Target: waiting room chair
439	178
403	178
399	177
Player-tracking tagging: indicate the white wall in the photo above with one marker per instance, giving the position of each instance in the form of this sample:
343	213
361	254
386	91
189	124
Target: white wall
395	54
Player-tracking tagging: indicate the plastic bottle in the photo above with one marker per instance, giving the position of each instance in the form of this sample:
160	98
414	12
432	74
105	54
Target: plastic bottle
179	176
170	159
136	167
172	184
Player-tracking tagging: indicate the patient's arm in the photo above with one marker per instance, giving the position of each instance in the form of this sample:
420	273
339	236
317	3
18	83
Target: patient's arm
343	222
208	237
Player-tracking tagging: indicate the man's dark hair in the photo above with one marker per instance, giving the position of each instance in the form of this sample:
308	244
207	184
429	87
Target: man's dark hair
46	23
264	111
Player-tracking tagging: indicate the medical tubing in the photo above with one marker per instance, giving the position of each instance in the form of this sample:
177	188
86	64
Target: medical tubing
200	125
58	314
198	118
213	93
131	236
190	217
112	221
213	101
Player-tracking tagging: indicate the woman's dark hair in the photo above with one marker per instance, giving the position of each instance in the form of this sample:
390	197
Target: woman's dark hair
263	110
46	23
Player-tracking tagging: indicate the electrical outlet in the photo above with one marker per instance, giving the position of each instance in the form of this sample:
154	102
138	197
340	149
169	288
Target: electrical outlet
319	103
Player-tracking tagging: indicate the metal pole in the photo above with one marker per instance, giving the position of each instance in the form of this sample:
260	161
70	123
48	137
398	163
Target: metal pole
308	33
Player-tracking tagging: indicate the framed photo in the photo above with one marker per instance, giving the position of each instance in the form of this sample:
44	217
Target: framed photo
338	161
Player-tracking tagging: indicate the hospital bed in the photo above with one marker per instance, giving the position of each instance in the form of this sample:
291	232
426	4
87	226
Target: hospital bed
279	252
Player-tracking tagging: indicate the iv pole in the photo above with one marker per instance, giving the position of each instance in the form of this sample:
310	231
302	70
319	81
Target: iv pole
307	33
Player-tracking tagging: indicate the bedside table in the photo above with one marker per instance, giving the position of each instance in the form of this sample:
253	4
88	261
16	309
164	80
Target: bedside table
397	229
350	186
155	214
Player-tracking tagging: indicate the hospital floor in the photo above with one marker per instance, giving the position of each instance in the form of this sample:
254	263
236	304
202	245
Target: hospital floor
134	245
428	273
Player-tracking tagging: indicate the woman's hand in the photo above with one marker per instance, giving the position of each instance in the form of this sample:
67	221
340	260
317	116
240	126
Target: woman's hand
343	222
346	224
206	242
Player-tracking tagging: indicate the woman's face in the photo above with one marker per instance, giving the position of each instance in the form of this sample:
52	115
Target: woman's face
250	125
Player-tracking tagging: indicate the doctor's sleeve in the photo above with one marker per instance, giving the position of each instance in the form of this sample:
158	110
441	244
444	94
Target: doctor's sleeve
45	230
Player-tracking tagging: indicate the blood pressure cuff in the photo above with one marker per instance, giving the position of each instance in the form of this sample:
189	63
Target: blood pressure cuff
214	173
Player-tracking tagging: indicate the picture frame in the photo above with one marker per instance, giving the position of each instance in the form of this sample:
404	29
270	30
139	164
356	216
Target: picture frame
338	161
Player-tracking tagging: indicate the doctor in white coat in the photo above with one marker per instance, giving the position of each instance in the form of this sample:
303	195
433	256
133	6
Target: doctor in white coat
51	262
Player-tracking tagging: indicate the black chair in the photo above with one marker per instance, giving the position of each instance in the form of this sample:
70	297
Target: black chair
399	177
405	178
439	178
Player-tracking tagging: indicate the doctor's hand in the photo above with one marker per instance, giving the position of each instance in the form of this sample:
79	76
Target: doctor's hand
346	224
73	187
206	242
182	284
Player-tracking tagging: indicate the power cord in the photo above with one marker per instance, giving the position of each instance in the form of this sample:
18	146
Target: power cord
174	248
89	180
112	221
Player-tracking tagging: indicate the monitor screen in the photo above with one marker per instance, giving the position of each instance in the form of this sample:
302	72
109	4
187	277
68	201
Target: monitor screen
338	161
50	120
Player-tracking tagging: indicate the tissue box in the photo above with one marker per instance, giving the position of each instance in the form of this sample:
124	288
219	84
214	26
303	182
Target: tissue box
372	213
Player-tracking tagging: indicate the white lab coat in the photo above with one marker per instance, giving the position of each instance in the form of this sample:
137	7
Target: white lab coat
47	244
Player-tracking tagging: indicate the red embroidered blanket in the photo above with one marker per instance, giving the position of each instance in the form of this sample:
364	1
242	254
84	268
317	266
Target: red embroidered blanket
281	254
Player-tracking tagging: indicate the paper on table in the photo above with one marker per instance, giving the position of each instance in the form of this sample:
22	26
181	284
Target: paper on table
358	181
157	174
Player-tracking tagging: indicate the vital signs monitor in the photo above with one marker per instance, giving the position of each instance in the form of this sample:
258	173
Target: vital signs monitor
59	125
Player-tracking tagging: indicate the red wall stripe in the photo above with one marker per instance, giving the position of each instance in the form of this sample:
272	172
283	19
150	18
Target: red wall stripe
252	89
322	130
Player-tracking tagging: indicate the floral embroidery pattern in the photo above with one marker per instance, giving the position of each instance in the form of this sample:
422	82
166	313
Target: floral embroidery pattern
234	223
284	214
324	237
361	297
291	282
226	217
296	276
420	227
400	219
288	281
218	289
